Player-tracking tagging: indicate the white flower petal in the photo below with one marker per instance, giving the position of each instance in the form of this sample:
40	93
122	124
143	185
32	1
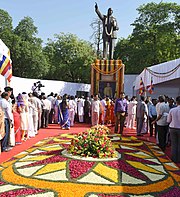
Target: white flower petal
29	171
54	176
5	188
93	178
127	179
152	176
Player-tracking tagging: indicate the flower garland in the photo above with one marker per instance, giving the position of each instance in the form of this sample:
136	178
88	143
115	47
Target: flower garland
165	74
106	30
107	72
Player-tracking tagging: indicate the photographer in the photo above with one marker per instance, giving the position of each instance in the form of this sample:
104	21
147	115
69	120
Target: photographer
37	87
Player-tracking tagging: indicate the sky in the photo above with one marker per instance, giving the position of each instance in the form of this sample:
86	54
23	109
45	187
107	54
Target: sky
73	16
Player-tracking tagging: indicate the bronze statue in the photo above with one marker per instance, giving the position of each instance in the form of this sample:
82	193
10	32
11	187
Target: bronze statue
109	32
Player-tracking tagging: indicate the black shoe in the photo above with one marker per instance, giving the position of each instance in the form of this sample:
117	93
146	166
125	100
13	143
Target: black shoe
140	134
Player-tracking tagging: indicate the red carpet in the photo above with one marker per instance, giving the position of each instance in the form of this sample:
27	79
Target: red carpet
54	130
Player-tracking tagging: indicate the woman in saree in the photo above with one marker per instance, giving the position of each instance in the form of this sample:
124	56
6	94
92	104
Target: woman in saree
23	109
108	116
64	113
112	115
17	129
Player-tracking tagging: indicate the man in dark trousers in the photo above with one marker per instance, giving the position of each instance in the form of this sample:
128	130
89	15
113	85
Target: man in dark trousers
120	110
174	128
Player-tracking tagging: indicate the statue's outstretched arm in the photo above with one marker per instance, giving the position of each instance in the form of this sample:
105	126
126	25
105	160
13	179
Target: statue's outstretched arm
98	12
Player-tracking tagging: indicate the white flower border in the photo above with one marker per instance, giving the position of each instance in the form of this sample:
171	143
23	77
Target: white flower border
66	154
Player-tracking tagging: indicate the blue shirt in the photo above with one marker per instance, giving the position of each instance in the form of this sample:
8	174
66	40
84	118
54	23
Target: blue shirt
120	105
152	111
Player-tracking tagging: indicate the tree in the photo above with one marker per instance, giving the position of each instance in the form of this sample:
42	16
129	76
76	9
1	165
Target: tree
6	31
5	21
26	29
70	58
97	27
29	60
28	57
155	36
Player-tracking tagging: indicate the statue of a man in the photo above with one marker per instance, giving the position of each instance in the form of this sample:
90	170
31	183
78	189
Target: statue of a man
109	34
108	91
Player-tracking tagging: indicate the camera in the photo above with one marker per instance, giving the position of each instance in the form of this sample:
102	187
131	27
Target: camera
39	86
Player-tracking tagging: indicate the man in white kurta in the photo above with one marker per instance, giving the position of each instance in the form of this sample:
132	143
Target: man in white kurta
95	110
132	113
72	110
80	105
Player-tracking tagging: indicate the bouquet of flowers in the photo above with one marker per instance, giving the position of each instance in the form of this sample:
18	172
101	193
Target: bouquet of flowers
93	143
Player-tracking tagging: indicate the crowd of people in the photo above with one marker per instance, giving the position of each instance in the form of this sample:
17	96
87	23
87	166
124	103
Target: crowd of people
23	116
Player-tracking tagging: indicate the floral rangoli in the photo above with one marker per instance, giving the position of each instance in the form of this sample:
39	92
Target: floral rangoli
142	169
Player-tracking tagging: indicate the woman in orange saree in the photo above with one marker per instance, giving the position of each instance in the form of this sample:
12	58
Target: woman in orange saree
108	117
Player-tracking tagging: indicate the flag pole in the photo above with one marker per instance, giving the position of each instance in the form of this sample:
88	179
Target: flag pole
145	83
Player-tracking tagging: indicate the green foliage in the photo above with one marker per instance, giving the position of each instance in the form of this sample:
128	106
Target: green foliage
155	37
30	60
26	29
26	49
5	21
70	58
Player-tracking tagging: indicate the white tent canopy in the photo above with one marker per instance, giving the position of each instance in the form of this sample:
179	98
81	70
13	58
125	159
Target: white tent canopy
159	73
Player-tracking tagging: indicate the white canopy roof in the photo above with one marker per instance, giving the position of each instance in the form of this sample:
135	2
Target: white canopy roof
159	73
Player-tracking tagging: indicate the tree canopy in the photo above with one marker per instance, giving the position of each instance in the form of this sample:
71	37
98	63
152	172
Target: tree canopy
70	58
6	21
155	37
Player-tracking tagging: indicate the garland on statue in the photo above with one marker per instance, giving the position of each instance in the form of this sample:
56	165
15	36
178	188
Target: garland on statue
107	33
107	72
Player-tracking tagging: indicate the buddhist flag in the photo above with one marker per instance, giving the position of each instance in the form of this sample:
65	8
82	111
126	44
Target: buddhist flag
150	87
5	61
142	87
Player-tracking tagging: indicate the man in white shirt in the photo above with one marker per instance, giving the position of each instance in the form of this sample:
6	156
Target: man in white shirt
131	113
9	90
162	125
80	106
95	110
8	118
51	113
45	111
37	105
72	110
174	127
